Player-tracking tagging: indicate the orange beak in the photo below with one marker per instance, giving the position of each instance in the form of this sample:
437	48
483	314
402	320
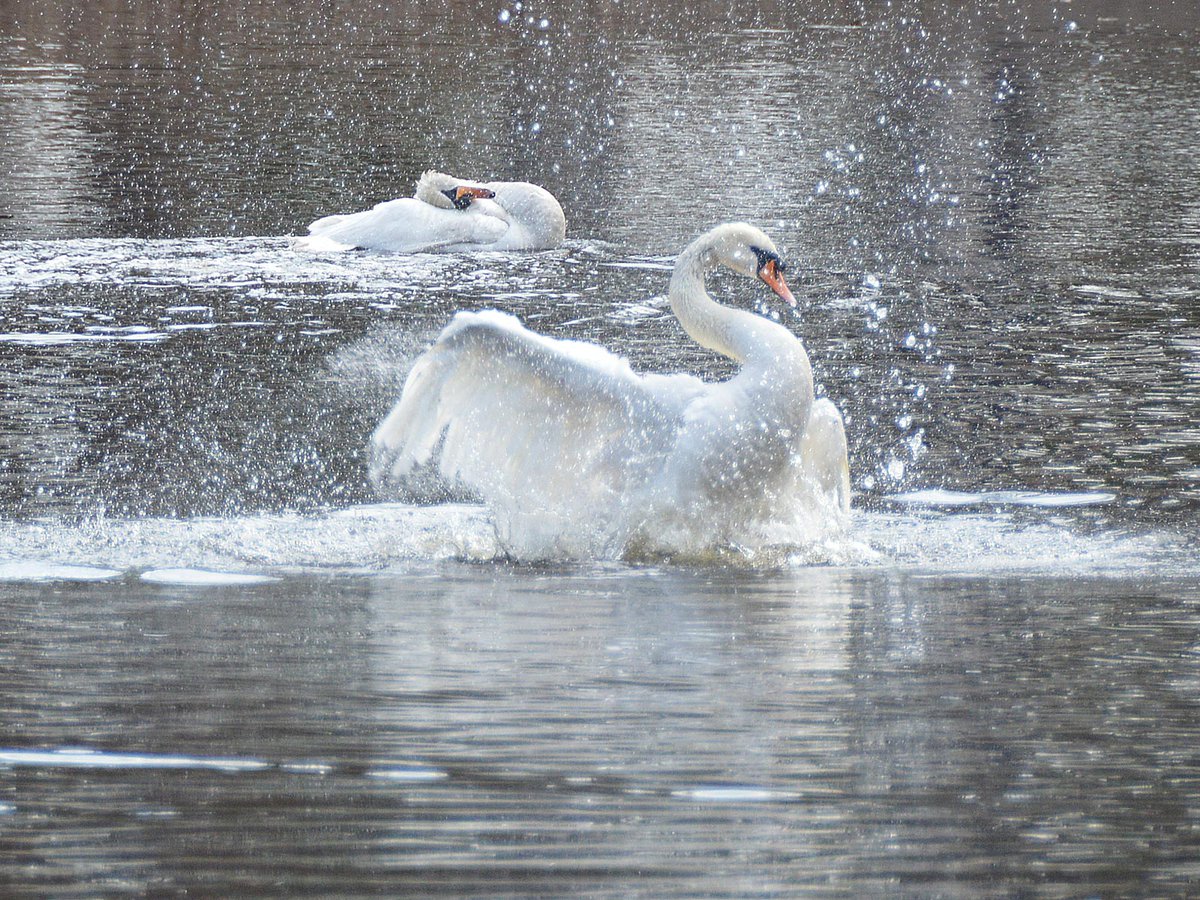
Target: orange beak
770	275
474	192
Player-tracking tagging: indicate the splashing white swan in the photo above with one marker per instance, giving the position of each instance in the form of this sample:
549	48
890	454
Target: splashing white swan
448	213
577	455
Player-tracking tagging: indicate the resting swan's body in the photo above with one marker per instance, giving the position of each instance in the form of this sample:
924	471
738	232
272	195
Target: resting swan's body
448	213
577	455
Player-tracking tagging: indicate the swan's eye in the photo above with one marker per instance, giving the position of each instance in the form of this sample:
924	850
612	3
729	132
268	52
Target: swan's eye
766	257
460	201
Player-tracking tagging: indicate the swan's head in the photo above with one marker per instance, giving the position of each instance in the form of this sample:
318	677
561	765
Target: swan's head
748	251
447	192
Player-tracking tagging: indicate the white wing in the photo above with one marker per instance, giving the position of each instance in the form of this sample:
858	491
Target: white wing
553	433
406	225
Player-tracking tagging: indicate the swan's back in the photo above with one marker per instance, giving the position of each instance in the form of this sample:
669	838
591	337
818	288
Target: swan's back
407	225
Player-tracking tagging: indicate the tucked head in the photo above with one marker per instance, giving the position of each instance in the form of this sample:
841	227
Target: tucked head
447	192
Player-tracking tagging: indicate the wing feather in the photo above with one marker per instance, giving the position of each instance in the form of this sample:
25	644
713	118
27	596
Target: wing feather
539	426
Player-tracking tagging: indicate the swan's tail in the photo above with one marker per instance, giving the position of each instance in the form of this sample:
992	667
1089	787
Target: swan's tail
324	224
824	454
318	241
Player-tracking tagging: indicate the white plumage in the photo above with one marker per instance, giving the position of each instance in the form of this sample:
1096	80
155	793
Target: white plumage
578	455
448	213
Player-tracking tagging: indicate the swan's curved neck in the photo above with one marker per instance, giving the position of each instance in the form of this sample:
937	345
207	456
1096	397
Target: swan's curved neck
736	333
535	218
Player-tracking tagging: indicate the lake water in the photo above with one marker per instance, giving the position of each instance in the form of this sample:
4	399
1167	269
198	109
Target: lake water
229	670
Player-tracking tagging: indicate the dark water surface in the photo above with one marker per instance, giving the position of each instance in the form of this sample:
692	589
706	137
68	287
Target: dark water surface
612	734
228	671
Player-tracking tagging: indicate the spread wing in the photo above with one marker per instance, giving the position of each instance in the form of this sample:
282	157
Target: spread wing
539	426
406	225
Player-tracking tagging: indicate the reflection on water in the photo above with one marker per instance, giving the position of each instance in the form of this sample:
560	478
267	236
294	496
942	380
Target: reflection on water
661	734
228	672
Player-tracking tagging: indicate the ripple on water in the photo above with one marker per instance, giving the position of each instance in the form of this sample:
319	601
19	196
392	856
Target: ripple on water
88	758
263	268
734	794
942	497
413	775
58	338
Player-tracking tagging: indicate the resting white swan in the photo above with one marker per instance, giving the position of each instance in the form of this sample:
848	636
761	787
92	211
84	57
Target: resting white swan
577	455
448	213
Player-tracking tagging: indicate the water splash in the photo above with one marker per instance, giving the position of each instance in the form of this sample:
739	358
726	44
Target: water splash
959	532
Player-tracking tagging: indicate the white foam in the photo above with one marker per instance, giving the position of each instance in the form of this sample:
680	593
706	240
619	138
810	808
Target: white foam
203	577
358	539
35	570
394	537
415	775
87	758
995	542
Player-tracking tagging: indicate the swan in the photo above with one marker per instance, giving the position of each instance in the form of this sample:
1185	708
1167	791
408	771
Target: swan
579	456
448	213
